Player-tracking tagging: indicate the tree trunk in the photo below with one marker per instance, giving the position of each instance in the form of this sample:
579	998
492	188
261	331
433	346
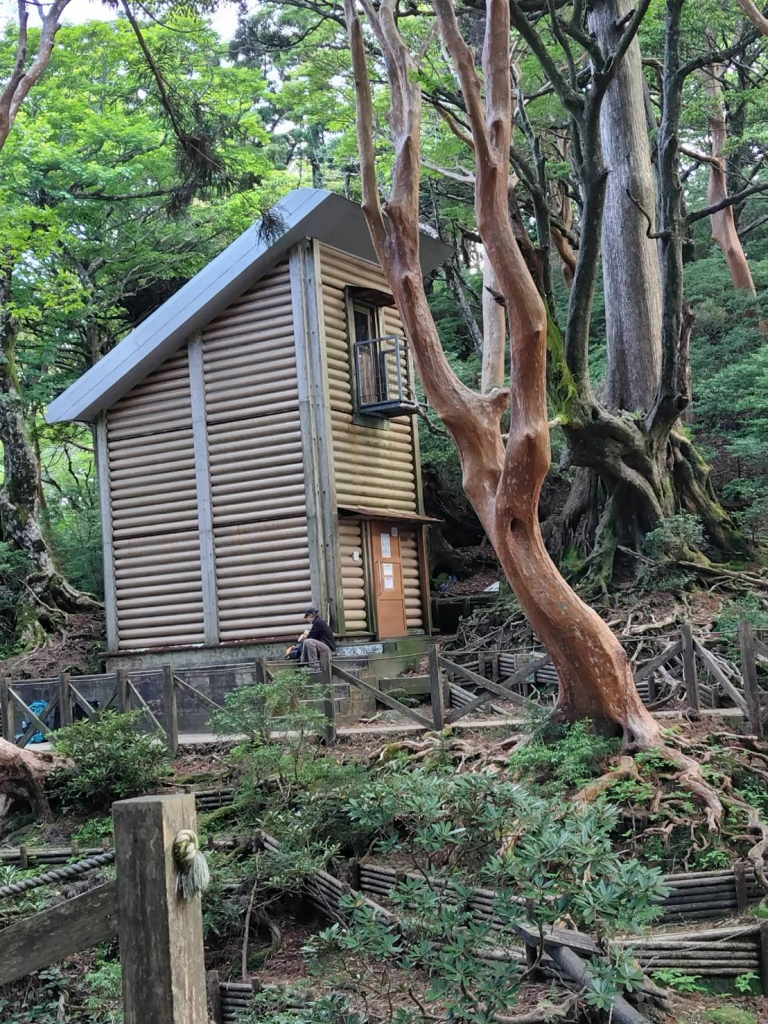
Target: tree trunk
48	593
724	230
23	775
494	330
631	273
503	484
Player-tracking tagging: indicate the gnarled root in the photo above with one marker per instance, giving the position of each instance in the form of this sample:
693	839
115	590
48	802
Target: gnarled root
689	777
626	769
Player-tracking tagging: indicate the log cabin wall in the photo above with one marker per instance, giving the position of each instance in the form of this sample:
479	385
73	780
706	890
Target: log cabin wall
375	467
255	455
252	476
154	520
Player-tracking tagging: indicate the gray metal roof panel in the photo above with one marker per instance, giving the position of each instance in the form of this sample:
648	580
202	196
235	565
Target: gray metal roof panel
305	212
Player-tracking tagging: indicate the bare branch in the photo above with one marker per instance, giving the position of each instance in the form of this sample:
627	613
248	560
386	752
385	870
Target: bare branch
20	81
737	197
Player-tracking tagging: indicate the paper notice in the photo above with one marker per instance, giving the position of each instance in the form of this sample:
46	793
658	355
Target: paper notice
386	546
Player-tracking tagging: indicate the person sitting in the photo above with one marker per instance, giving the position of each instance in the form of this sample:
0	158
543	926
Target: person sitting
319	637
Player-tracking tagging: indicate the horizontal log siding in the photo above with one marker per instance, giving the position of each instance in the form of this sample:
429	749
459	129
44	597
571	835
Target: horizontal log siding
409	552
154	511
352	579
372	467
256	467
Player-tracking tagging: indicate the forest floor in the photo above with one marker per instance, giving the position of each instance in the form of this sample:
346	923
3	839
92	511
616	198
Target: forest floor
657	824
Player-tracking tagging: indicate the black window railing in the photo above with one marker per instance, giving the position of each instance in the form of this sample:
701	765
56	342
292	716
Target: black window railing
383	384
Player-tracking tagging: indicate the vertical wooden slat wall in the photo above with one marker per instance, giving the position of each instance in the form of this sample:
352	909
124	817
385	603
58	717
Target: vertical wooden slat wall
352	576
256	467
154	511
372	467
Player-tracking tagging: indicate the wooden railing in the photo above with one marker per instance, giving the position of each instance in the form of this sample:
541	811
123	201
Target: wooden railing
460	683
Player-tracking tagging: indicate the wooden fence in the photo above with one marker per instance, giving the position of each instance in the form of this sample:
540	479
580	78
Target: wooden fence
684	674
161	934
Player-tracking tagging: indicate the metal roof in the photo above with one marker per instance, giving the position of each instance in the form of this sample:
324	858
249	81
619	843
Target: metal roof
305	213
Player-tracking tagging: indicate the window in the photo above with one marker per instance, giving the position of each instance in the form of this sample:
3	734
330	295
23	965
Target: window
371	383
380	362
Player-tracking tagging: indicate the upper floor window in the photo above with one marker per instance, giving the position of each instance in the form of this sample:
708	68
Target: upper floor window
381	366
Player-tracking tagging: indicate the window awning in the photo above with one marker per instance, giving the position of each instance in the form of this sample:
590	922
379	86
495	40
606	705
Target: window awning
384	515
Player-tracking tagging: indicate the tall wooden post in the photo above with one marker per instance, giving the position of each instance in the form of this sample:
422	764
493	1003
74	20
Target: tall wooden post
123	690
749	675
171	712
7	711
261	671
764	955
215	1011
690	674
161	934
329	703
66	716
436	688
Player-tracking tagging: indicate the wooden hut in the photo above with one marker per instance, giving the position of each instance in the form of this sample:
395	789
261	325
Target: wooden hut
257	446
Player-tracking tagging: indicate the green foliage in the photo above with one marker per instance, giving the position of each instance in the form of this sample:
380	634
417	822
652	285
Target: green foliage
674	539
113	759
104	985
546	859
747	983
747	607
560	756
729	1015
14	569
686	984
92	831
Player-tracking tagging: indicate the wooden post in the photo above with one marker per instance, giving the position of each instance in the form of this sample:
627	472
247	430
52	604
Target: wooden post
749	675
764	956
740	881
215	1011
66	716
436	686
171	713
123	690
690	674
161	934
261	671
329	702
7	711
495	674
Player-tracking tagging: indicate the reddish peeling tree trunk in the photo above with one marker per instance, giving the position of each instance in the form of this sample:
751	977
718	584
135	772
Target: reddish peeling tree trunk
724	231
23	75
503	484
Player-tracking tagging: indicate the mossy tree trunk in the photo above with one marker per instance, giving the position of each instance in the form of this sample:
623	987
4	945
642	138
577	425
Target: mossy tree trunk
48	594
635	465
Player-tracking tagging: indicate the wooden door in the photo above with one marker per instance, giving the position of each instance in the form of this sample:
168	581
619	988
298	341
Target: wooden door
388	580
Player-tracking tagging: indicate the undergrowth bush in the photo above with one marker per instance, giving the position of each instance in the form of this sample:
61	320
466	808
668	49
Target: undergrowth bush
112	759
287	781
547	860
561	756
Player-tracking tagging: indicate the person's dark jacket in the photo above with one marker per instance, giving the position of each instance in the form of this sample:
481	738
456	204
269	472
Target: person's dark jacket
322	631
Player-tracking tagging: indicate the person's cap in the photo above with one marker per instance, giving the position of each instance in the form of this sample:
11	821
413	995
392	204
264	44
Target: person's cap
311	611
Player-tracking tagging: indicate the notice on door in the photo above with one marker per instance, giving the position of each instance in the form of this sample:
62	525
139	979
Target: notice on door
388	570
386	546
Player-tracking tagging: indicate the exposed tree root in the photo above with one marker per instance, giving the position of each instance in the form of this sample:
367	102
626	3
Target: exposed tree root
23	775
689	777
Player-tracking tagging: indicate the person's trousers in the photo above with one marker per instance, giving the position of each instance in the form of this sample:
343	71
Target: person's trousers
311	650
